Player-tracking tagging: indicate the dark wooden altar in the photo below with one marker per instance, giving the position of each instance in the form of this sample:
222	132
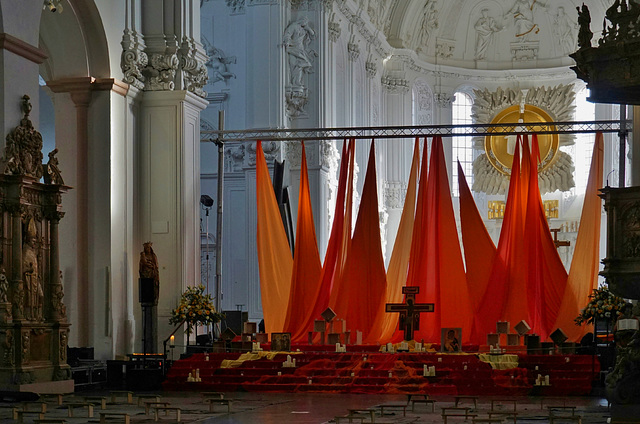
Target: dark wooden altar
33	324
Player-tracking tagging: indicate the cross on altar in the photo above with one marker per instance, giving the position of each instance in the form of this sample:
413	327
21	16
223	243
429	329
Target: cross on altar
559	243
409	311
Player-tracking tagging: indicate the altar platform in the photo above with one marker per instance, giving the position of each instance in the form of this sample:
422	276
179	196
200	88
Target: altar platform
365	370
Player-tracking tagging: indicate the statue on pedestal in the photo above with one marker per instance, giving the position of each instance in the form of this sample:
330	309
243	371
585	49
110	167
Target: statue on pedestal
149	268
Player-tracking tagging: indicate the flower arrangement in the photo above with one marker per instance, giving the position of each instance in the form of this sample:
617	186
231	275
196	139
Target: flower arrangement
196	308
602	305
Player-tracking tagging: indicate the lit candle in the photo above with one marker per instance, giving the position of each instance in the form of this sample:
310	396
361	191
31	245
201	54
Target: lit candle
172	341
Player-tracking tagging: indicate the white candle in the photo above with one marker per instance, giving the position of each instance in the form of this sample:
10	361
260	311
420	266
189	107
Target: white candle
353	374
294	362
279	373
536	368
425	370
172	341
439	359
337	347
546	379
309	381
390	375
465	367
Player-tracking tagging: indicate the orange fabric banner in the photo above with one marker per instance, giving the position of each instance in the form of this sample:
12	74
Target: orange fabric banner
544	272
361	297
446	282
274	255
338	282
387	324
479	250
416	274
504	286
583	274
333	255
307	269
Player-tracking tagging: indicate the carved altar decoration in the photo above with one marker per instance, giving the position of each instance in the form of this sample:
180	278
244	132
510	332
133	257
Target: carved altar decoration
33	323
610	70
492	169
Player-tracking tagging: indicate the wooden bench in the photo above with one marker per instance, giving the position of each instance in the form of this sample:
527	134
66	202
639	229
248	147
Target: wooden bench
488	420
42	405
418	395
213	401
207	395
364	412
425	401
392	406
456	412
152	404
502	401
561	418
18	415
72	406
121	393
507	415
349	417
551	409
141	398
166	410
57	396
102	400
105	415
474	399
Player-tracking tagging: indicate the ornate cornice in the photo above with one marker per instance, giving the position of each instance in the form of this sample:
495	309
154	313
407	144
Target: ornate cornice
161	72
395	84
22	48
133	59
192	62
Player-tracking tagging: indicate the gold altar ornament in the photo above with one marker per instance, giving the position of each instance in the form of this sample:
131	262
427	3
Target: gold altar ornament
500	149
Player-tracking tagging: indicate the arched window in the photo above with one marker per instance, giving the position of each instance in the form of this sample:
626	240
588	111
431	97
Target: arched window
462	147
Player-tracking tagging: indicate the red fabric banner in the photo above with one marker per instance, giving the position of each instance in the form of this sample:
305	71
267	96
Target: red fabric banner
387	324
503	284
479	250
446	282
416	275
362	296
307	269
274	255
544	272
332	256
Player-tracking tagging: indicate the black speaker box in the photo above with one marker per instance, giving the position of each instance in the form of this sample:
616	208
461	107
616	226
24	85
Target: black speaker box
146	292
235	320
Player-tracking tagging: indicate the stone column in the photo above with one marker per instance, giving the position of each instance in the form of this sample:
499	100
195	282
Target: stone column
55	307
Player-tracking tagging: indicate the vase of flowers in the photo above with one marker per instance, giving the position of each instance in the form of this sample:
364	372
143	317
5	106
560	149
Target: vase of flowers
603	305
195	308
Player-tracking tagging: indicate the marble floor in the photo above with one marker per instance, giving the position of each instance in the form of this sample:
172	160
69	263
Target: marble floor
305	408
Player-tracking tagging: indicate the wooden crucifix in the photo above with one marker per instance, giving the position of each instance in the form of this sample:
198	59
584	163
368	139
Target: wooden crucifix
559	243
409	311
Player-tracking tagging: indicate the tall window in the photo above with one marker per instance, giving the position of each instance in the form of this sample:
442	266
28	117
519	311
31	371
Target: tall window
585	111
462	146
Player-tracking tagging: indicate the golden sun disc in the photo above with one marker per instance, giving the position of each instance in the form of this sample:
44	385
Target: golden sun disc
499	148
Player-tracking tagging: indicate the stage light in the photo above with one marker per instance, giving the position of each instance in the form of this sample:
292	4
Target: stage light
53	5
206	201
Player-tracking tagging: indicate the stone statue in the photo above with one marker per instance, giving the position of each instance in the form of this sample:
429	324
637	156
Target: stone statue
429	24
563	30
4	287
584	33
485	28
53	172
296	39
219	71
149	268
522	13
31	275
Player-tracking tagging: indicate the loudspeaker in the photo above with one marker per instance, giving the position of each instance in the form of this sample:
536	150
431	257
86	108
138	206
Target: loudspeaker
235	320
146	292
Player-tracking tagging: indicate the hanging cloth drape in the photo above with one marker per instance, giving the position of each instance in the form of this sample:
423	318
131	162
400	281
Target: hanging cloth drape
583	274
479	250
387	324
545	275
339	284
274	256
332	256
446	283
362	296
416	274
305	278
504	285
